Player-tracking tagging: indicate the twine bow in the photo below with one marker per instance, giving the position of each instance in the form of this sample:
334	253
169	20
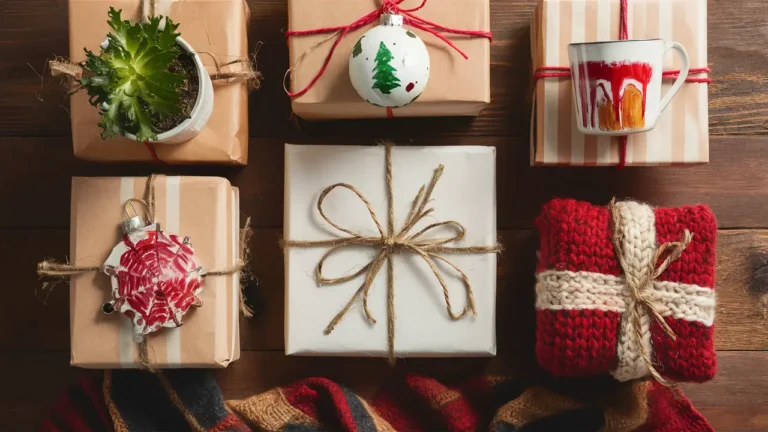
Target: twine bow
390	242
61	272
640	284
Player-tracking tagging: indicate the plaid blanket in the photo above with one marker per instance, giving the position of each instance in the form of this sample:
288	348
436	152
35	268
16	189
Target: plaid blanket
182	400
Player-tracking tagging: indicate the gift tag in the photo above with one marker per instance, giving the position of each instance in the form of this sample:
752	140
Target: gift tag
155	277
389	65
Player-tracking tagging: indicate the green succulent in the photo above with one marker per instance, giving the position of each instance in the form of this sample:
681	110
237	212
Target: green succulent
129	80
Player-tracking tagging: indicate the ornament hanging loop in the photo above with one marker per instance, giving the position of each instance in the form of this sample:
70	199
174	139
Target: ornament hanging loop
134	221
129	203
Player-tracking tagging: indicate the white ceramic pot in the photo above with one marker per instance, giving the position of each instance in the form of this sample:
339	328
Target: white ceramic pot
201	112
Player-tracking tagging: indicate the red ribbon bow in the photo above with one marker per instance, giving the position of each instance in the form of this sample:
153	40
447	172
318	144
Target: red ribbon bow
387	7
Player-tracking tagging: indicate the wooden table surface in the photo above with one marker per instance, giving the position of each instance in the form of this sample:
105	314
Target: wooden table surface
36	164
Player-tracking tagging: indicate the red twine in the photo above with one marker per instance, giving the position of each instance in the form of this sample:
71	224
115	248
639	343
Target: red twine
151	147
390	7
565	72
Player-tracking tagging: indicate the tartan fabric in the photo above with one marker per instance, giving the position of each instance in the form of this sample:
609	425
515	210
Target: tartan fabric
577	237
191	400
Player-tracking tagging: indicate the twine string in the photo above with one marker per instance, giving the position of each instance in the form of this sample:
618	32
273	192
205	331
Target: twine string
388	7
149	9
390	242
144	355
565	72
640	284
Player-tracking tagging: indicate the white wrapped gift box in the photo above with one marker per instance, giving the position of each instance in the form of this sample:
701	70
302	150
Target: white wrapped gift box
465	193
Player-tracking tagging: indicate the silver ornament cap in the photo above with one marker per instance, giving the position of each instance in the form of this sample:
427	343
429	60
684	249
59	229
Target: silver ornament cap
391	20
133	223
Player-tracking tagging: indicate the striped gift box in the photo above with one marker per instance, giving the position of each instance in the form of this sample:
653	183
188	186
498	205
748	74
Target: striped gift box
681	136
203	208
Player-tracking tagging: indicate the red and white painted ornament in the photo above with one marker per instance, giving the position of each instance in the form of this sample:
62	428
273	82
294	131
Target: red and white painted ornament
389	65
155	277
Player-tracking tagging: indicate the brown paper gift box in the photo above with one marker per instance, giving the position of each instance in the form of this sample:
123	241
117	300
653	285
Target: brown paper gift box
457	87
203	208
681	136
210	26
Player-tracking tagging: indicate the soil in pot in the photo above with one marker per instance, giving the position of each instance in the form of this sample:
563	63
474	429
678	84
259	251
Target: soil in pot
184	65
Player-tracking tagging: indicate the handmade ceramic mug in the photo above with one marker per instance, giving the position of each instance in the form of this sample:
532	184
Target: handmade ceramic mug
617	84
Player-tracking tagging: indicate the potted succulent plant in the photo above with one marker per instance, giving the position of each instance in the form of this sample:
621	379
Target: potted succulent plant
147	82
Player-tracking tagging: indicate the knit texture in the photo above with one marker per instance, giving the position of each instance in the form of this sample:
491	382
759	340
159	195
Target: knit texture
583	332
191	400
80	408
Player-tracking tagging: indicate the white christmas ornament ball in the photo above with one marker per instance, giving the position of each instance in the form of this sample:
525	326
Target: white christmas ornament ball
389	65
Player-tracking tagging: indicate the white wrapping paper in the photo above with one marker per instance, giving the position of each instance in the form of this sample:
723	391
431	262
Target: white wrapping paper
466	193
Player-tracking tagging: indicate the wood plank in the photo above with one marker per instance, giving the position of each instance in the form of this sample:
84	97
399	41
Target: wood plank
38	377
735	399
735	184
738	96
737	99
32	382
740	321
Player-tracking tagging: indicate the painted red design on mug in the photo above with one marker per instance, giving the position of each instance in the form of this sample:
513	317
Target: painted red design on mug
617	84
613	95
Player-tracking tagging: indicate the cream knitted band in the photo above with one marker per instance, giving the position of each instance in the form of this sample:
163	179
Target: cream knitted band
565	290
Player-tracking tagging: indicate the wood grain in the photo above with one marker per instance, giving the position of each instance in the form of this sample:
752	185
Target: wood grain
740	321
37	163
737	99
733	184
725	401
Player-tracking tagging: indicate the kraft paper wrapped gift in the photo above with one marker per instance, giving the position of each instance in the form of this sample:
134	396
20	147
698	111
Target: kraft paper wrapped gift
681	136
217	27
465	193
457	87
203	208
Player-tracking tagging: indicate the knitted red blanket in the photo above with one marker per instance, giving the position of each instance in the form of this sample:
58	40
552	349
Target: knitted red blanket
181	400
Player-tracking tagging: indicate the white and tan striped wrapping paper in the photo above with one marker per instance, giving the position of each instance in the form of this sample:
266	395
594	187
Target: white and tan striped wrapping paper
681	136
204	208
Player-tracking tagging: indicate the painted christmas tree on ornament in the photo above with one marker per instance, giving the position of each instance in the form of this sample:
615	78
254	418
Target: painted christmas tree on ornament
389	65
384	78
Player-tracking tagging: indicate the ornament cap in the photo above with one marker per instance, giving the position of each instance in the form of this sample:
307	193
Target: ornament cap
132	224
391	20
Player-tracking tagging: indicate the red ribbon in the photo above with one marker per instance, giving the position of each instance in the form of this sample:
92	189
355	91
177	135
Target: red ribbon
151	147
389	7
565	72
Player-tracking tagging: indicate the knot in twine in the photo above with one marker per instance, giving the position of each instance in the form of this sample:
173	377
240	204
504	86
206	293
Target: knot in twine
390	242
387	7
640	285
63	271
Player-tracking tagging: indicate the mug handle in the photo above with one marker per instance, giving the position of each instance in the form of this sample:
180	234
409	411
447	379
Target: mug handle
680	79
